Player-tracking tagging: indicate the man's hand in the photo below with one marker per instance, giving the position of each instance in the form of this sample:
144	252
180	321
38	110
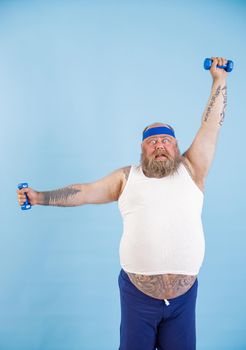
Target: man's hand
218	73
32	196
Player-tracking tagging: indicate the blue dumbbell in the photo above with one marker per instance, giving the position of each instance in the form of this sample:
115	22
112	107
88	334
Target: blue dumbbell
228	67
26	205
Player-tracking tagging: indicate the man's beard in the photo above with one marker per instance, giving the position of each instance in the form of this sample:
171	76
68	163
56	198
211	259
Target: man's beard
160	168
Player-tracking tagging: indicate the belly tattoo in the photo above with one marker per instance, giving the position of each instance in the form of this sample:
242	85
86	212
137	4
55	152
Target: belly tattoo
165	286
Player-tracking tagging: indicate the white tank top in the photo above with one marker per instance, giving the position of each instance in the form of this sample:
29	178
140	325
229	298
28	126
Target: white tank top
162	230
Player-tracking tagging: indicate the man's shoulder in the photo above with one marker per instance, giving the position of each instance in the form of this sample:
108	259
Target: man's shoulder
126	171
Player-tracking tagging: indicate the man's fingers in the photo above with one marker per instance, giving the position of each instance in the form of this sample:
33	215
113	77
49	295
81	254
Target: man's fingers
23	190
214	62
21	198
220	61
224	61
21	195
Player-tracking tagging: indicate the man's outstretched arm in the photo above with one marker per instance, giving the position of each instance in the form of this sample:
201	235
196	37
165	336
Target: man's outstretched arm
201	152
104	190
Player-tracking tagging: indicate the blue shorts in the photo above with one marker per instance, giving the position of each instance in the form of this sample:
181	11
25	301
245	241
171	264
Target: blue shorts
148	323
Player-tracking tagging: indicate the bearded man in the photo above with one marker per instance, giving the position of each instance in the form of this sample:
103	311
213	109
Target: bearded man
162	246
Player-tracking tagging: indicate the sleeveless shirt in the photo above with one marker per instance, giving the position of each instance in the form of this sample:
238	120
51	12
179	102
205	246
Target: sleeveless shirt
162	226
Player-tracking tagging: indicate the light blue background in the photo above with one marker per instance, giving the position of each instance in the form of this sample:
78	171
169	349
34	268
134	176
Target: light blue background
79	80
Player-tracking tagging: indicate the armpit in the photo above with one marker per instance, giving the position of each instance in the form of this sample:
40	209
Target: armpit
188	166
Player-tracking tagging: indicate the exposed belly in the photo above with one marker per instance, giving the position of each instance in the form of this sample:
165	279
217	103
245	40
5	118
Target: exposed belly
165	286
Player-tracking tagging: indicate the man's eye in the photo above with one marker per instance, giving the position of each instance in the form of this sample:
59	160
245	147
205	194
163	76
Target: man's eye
165	140
153	142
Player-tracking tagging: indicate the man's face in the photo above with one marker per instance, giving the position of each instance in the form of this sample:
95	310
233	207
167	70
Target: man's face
160	156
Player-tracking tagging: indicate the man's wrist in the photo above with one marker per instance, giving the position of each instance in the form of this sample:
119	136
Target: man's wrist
219	80
40	199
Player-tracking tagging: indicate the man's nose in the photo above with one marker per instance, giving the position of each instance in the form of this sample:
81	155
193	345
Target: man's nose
160	145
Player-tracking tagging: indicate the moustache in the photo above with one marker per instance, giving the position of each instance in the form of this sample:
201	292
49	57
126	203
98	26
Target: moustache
160	153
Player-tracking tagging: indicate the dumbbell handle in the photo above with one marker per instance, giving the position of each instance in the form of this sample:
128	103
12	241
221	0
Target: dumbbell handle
25	205
228	67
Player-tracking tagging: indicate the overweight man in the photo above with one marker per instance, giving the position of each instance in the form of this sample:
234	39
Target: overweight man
162	246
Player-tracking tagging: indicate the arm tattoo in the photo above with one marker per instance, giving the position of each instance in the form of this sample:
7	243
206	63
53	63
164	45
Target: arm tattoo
127	172
62	197
222	114
212	101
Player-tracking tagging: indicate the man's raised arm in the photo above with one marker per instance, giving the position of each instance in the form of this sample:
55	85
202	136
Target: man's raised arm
105	190
201	153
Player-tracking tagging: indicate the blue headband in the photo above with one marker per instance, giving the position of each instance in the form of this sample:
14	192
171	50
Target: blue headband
157	131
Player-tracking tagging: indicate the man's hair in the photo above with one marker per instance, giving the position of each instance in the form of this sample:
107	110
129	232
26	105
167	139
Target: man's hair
147	127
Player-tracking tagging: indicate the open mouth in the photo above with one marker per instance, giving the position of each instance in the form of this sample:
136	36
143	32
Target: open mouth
160	157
